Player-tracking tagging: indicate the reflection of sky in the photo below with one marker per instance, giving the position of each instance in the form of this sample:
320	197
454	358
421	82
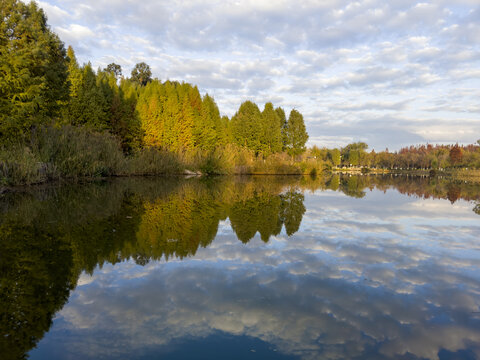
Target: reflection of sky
378	277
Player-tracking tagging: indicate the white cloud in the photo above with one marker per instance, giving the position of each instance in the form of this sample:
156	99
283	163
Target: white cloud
307	53
372	105
76	32
55	14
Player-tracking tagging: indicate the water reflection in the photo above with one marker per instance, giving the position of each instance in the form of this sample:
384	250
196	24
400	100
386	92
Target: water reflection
387	276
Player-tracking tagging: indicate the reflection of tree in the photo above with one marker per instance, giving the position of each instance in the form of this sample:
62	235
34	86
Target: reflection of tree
260	213
423	187
334	182
178	225
36	276
476	209
266	213
105	239
48	237
293	210
353	186
453	193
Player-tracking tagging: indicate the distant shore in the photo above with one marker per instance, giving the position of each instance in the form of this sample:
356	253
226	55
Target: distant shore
457	174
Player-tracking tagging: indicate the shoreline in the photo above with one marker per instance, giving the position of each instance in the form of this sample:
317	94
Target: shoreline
455	174
467	175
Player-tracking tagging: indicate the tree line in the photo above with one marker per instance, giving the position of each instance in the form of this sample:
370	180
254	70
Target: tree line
43	85
436	157
41	82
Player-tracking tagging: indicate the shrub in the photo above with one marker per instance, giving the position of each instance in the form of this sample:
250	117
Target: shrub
211	164
20	166
73	152
61	152
152	161
327	167
279	164
311	165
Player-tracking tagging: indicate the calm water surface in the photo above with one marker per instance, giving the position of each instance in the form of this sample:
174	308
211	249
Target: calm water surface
242	268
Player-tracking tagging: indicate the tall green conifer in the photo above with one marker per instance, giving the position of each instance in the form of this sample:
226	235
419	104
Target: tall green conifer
122	117
271	130
283	125
185	136
150	111
88	104
296	132
245	125
33	69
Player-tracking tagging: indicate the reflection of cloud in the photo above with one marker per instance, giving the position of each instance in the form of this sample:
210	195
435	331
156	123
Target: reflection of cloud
291	312
85	279
336	289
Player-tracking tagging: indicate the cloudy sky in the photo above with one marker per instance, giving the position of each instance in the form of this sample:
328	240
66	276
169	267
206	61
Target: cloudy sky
391	73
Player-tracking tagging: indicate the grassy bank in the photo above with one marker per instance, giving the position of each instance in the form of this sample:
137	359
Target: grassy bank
54	153
68	152
234	160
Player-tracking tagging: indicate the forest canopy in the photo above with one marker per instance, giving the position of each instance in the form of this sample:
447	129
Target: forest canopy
43	85
41	82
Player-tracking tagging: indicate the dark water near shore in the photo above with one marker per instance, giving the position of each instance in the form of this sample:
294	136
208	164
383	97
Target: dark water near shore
242	268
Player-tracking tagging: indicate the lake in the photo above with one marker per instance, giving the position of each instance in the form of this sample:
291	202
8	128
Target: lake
340	267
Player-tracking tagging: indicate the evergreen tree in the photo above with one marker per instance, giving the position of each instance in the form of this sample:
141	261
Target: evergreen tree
33	69
185	136
296	134
207	128
271	130
74	73
171	117
88	104
245	126
226	125
283	125
150	109
122	117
